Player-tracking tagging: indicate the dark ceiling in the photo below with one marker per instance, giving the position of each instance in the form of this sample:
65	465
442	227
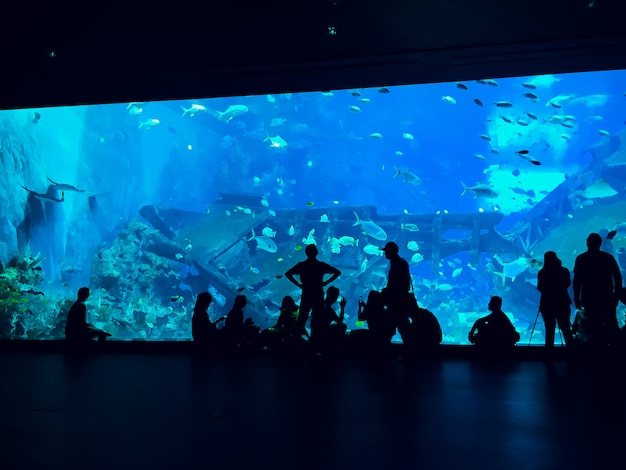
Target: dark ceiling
137	51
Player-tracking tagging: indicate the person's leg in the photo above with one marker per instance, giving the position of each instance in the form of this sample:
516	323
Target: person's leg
550	323
565	326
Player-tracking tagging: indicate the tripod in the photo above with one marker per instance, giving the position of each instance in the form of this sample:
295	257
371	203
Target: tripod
535	325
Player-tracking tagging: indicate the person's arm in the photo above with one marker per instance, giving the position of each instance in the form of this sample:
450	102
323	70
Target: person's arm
334	274
617	280
472	334
577	286
289	275
342	309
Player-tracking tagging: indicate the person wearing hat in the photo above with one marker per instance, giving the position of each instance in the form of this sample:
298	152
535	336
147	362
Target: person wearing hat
396	292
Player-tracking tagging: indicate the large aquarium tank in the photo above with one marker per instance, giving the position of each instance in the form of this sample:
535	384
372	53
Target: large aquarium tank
151	203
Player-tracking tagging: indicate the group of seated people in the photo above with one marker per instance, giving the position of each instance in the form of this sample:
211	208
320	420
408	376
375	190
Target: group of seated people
418	328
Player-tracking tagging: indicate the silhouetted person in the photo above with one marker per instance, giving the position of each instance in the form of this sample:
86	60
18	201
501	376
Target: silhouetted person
203	330
311	273
240	334
77	330
425	329
380	327
396	292
553	281
327	328
494	330
285	332
597	289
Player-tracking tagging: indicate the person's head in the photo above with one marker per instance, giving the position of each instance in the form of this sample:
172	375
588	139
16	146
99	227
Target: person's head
311	251
495	304
289	304
375	300
83	293
240	302
203	301
332	294
594	241
551	260
391	250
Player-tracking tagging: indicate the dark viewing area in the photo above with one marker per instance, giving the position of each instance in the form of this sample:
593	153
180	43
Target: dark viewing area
420	338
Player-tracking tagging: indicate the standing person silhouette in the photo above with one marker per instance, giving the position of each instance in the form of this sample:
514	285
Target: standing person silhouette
311	273
552	281
597	289
396	292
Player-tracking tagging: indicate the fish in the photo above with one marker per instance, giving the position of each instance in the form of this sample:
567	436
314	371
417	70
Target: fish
276	141
347	240
532	116
611	234
275	122
522	122
264	243
135	111
531	96
604	132
231	112
310	239
409	227
522	152
177	298
557	101
479	156
372	250
407	176
457	272
598	189
448	99
150	123
407	136
461	86
270	99
363	266
512	269
370	228
535	162
507	119
485	137
529	85
478	102
365	100
324	219
254	269
44	197
417	258
383	90
480	190
268	232
65	187
376	135
355	93
193	110
503	104
413	245
355	109
291	231
398	153
566	136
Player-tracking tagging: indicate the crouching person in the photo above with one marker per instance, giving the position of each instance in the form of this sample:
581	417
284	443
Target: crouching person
494	331
425	330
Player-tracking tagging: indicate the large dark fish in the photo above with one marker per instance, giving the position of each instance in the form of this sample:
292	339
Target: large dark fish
66	187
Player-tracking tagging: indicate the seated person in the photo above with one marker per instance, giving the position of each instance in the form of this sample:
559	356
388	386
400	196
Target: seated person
203	330
327	328
237	333
284	332
425	330
77	330
494	330
380	327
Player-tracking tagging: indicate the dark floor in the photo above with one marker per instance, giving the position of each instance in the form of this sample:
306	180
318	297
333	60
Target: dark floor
131	409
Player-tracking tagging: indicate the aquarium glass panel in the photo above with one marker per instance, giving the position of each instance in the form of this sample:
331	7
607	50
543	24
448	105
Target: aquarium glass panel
150	204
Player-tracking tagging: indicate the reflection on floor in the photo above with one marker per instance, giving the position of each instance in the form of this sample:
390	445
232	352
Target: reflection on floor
172	410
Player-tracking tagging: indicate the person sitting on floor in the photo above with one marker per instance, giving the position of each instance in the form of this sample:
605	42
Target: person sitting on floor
494	330
285	331
77	330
